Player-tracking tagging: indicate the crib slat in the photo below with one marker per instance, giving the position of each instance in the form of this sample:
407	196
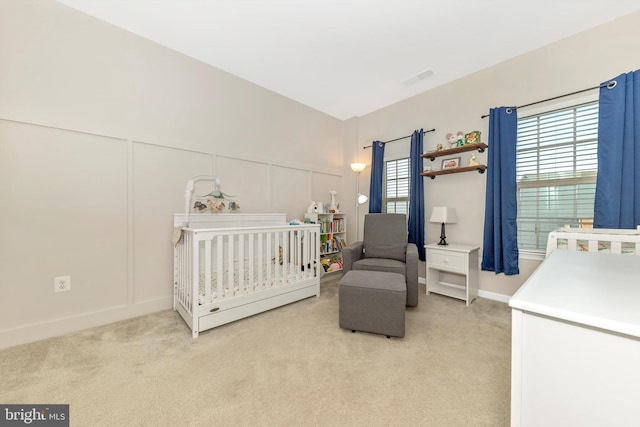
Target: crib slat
230	266
309	245
593	246
291	260
179	272
616	247
285	257
260	261
281	257
241	285
184	268
295	252
295	259
268	259
207	270
276	249
195	274
300	261
305	252
189	284
219	270
251	278
572	244
310	255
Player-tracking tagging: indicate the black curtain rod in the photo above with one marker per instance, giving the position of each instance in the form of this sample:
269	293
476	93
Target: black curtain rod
398	139
555	97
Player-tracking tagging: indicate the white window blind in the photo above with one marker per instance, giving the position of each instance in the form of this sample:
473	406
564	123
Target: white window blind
396	186
556	166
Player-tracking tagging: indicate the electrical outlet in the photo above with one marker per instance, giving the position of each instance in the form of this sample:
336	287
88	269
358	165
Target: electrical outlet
62	283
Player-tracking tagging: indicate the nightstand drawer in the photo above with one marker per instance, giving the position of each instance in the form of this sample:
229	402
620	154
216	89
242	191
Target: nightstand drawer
447	261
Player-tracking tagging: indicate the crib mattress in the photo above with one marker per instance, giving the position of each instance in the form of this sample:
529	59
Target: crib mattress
251	281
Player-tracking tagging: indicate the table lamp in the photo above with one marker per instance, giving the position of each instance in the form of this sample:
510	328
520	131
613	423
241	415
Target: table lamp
444	216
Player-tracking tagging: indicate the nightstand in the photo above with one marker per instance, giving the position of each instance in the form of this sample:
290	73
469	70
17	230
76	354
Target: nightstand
461	260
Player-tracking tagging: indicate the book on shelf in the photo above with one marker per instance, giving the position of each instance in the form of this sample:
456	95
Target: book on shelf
337	244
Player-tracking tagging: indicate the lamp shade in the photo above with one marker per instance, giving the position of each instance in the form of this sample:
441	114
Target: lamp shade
361	199
443	215
358	167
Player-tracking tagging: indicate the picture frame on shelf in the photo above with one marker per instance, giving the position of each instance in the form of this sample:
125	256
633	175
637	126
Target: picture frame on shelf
450	163
472	137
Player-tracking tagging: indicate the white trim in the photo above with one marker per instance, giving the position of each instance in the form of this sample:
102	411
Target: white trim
398	156
53	328
494	296
551	106
532	254
482	294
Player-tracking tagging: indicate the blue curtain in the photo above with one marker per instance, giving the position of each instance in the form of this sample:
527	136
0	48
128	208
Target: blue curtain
416	194
500	242
377	169
617	201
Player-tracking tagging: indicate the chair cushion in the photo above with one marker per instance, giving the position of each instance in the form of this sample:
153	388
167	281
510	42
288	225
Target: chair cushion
385	229
377	250
381	264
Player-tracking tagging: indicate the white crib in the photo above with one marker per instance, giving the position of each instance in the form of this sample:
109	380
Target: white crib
604	240
231	266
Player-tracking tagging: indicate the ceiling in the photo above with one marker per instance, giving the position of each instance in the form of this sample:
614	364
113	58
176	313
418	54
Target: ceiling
348	58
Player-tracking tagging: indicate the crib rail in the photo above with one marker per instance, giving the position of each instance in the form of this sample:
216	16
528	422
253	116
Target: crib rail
218	267
616	241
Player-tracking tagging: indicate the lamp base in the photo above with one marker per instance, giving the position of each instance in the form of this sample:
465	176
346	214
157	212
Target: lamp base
443	238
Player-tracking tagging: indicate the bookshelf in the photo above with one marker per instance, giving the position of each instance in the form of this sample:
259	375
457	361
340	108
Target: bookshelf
333	237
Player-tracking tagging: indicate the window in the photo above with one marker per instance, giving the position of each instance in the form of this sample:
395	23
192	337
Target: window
556	166
396	186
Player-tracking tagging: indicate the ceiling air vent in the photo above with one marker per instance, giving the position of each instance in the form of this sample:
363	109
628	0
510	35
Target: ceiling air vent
420	76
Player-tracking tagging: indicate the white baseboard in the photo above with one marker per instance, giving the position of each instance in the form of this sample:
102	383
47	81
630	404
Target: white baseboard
40	331
494	296
482	294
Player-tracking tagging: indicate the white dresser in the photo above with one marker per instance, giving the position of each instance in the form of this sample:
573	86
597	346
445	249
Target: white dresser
454	259
576	342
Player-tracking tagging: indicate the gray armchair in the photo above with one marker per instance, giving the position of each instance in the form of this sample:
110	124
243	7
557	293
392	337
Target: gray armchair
384	247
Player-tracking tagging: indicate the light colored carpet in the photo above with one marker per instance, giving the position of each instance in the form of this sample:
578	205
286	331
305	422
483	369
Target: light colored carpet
291	366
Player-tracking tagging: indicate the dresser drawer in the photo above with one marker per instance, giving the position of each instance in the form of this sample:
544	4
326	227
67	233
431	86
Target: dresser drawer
454	262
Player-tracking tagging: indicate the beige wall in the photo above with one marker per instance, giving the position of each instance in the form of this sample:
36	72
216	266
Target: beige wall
575	63
99	132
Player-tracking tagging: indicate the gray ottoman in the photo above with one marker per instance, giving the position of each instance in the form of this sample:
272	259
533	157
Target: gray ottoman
372	301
